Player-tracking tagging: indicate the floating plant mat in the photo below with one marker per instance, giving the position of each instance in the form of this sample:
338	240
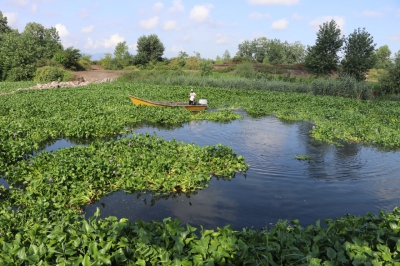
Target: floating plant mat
72	177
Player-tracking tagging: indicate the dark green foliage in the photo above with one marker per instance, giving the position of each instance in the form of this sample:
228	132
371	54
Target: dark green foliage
358	54
322	58
45	41
49	73
150	48
4	28
68	58
390	83
20	52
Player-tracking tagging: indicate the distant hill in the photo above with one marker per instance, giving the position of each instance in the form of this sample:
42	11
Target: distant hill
97	56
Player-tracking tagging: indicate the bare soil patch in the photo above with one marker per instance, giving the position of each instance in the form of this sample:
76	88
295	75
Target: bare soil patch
97	73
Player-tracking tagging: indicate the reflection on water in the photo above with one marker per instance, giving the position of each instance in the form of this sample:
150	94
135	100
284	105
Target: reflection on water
351	179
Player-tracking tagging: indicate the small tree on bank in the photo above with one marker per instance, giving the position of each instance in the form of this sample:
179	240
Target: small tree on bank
322	58
383	60
390	83
359	54
150	48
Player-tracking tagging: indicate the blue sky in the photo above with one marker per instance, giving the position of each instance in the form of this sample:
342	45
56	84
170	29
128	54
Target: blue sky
208	27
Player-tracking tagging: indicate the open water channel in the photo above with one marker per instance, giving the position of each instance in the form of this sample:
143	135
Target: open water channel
353	179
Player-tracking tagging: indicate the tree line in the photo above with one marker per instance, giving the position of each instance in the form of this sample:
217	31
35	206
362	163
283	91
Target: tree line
24	55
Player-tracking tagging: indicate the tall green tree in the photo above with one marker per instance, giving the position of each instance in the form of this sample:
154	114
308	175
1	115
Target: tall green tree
359	54
322	58
150	48
4	28
46	40
122	54
246	49
226	57
383	60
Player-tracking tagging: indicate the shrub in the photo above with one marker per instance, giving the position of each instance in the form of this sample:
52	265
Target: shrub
20	73
84	64
47	62
48	74
245	70
206	67
192	63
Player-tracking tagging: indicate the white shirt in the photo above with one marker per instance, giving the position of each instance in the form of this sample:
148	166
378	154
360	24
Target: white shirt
192	96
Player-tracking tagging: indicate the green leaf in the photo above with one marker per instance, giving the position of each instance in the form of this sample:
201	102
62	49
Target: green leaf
331	253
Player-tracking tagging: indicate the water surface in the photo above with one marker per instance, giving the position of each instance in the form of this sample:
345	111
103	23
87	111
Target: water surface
352	179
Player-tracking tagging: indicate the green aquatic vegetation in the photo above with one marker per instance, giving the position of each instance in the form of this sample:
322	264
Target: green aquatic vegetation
7	87
223	115
67	239
303	157
79	175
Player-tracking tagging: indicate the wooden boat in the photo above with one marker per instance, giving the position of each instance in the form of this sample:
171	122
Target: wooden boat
197	107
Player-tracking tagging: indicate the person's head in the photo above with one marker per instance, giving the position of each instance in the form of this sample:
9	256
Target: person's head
191	90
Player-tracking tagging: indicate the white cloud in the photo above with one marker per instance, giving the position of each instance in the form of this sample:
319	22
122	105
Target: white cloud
20	3
177	48
201	13
88	29
149	24
280	24
187	38
297	16
221	39
62	30
12	19
178	7
372	14
34	8
170	25
133	47
395	37
158	7
256	15
273	2
340	21
84	13
107	43
113	41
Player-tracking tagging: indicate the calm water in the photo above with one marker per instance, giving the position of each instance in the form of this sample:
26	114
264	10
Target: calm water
353	179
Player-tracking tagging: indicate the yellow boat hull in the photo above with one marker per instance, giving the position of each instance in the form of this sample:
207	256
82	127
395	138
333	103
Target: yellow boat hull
196	108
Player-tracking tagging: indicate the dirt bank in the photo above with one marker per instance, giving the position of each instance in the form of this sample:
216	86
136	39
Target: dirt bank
97	74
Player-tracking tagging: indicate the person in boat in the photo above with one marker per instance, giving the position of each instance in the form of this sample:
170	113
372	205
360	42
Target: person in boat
192	97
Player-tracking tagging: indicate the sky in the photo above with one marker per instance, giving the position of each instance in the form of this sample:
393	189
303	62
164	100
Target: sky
208	27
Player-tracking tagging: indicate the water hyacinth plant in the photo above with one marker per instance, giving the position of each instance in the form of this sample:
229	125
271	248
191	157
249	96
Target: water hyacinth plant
40	222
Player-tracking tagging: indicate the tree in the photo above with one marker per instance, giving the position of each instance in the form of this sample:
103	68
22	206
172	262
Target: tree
47	41
226	57
150	47
322	58
68	58
245	49
122	54
4	28
294	53
382	55
276	52
358	54
390	83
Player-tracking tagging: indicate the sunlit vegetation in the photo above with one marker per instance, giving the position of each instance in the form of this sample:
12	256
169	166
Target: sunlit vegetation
41	222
